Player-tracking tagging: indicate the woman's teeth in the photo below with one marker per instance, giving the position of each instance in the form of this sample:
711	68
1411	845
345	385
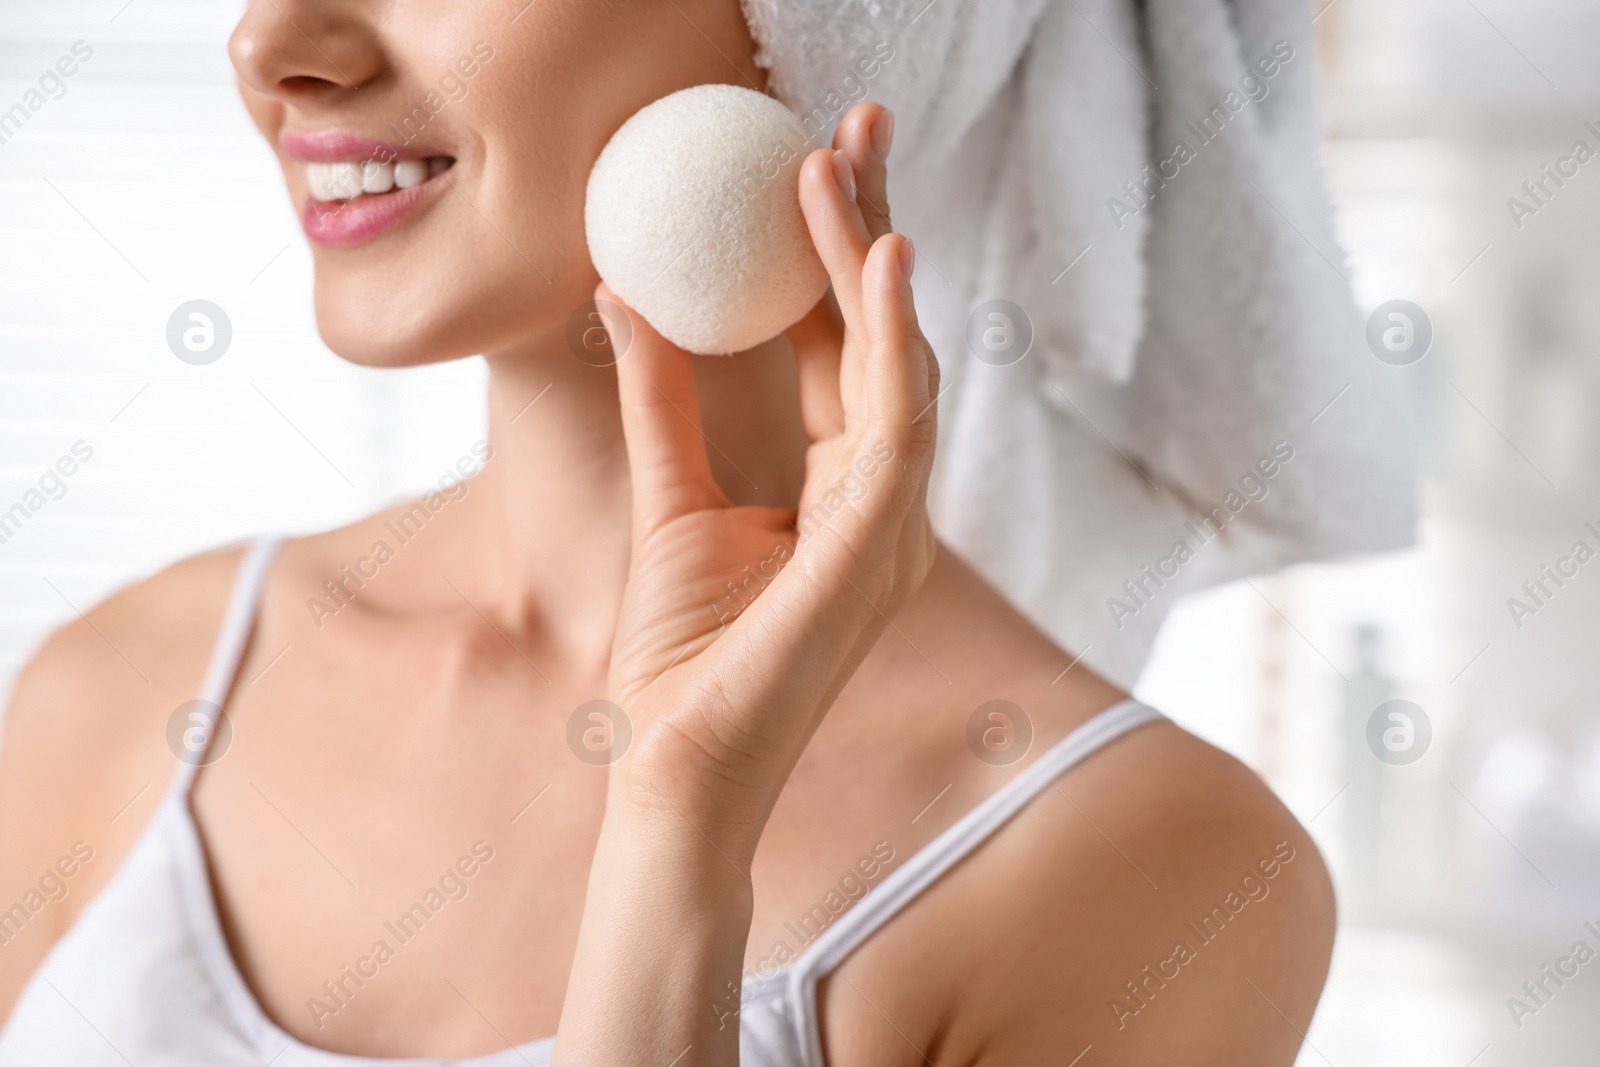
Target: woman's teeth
348	181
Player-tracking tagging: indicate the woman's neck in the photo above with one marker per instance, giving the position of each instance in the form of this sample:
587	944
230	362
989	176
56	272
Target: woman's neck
543	535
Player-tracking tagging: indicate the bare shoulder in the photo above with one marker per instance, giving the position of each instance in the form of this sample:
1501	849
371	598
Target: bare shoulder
84	757
1158	903
1169	908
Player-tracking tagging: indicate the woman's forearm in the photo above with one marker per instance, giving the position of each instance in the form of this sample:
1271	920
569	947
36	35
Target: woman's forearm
661	948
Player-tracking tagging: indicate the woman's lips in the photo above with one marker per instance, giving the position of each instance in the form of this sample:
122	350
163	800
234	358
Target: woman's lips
343	223
358	187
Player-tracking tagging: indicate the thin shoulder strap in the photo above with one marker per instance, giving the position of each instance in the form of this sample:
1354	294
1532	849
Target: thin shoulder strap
226	655
945	851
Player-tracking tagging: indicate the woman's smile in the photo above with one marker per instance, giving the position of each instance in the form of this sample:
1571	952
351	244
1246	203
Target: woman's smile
358	188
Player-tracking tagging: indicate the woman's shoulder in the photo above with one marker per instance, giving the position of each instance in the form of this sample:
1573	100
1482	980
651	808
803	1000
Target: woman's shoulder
1158	903
84	756
91	687
140	643
1174	903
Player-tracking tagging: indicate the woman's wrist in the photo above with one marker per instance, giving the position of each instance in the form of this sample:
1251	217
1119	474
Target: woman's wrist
683	812
690	771
667	838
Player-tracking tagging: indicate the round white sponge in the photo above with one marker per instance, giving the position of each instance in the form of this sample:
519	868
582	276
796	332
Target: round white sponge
693	218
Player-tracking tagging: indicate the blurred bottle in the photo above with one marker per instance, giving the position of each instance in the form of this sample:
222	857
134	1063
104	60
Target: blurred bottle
1363	889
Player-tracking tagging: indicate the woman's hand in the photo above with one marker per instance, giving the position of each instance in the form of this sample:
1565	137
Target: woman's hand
740	624
725	687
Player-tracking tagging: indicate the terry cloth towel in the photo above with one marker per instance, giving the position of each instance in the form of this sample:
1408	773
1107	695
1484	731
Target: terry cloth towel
1137	180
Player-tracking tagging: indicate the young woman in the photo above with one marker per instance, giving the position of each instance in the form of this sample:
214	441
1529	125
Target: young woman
596	758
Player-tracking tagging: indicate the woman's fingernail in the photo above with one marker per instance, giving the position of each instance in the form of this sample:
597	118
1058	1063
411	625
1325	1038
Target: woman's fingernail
844	175
908	258
883	133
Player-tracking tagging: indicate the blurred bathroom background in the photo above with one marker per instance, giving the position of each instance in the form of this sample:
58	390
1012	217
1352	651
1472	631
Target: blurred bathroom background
1466	849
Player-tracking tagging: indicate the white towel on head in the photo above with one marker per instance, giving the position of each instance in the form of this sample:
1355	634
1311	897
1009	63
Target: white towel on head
1186	318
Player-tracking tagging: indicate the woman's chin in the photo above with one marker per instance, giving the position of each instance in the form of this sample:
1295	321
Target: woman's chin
375	332
399	315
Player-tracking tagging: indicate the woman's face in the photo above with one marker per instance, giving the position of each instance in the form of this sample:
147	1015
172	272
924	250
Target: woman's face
471	128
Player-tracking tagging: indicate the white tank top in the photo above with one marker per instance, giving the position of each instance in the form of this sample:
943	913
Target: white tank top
145	977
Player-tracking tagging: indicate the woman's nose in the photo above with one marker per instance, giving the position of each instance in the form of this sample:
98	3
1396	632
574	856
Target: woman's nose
301	50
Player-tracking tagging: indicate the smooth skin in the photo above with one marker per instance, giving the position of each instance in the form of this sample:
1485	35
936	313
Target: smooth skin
770	754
